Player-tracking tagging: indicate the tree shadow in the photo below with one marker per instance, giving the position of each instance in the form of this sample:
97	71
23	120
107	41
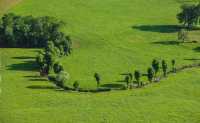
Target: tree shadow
124	74
120	81
23	57
167	42
114	86
197	49
158	28
41	87
38	79
24	66
193	59
34	76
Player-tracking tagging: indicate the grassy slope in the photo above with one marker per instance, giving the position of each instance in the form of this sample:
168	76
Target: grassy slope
104	42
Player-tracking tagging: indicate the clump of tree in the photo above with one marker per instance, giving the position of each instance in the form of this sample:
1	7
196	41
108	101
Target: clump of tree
47	60
189	15
33	32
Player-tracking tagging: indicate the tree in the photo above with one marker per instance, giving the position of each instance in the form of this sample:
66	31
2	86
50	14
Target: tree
76	85
137	77
49	60
97	78
127	80
155	66
44	70
164	68
173	66
40	59
182	35
57	67
189	15
150	74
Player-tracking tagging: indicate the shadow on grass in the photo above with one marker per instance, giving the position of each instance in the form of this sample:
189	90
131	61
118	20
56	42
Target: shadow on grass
38	79
41	87
114	86
193	59
34	76
24	57
167	42
158	28
197	49
24	66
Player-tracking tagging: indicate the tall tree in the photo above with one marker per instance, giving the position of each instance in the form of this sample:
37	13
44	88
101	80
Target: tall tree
155	66
174	65
164	68
137	77
97	78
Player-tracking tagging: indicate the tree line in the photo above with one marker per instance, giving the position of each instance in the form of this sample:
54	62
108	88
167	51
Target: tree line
60	78
32	32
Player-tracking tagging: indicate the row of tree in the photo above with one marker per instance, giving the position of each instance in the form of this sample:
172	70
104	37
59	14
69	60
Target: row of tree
33	32
152	73
60	77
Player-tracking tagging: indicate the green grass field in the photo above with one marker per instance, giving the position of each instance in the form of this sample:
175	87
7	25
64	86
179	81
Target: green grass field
110	37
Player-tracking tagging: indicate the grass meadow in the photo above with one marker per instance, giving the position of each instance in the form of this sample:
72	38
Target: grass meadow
110	37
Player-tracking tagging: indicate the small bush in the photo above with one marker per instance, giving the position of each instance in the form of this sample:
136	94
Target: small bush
59	79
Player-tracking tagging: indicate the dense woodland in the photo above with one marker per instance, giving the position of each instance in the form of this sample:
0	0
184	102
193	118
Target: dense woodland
32	32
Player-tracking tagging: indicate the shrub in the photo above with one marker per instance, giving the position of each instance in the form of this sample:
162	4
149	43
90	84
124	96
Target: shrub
60	79
57	67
